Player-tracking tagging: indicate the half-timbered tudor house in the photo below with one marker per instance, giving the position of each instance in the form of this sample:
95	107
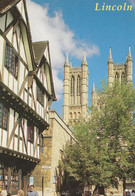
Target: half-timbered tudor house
26	93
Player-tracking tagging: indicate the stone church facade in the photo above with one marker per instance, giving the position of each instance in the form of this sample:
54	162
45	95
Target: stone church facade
116	71
120	71
75	87
75	92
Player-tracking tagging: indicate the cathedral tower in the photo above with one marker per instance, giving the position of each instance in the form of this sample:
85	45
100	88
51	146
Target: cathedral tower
75	92
116	71
94	96
66	90
120	71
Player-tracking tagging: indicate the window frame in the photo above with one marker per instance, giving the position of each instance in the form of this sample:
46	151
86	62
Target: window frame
30	132
78	85
72	85
11	60
4	115
40	95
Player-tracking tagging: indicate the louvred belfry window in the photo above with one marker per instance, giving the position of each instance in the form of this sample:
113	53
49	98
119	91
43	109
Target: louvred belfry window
3	116
11	60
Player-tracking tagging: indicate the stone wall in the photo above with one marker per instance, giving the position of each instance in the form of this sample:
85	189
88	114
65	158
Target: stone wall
54	141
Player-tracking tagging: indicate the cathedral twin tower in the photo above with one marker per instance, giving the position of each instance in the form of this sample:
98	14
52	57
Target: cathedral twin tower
75	91
75	87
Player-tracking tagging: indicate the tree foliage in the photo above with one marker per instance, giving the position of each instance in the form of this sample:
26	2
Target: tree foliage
105	147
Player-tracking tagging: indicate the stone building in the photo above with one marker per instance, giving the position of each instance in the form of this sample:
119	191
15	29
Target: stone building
116	71
75	91
47	177
120	71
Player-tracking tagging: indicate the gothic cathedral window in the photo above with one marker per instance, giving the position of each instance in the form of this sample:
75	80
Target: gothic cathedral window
72	90
116	76
72	85
78	89
122	77
78	85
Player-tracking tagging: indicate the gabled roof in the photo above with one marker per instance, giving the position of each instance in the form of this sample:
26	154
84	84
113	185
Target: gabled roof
39	48
7	4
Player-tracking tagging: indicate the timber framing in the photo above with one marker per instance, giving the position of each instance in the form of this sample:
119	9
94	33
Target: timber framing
26	95
19	155
20	106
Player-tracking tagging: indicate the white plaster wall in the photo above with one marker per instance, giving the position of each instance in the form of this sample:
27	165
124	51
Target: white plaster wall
2	23
9	18
1	52
4	138
19	5
16	144
9	35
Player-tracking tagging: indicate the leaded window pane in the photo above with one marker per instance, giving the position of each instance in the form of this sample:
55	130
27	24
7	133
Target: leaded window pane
11	60
40	95
3	116
30	132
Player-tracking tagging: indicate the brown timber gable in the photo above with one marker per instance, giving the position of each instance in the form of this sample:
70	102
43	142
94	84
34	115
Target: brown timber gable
39	49
7	4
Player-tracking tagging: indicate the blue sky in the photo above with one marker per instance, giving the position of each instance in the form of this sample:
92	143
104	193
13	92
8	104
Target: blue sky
90	30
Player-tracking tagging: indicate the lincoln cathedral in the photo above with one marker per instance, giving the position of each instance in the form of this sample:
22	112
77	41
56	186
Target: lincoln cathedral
75	91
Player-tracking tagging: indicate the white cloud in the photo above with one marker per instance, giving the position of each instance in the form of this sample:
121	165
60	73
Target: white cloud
60	37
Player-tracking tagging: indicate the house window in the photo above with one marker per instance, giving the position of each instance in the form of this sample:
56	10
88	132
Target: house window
3	116
14	179
3	177
40	95
30	132
11	61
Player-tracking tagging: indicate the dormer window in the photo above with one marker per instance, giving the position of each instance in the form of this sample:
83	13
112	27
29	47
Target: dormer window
11	60
40	95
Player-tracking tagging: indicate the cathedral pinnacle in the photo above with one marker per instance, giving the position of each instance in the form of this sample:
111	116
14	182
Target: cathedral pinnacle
110	60
129	54
93	89
84	61
66	60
